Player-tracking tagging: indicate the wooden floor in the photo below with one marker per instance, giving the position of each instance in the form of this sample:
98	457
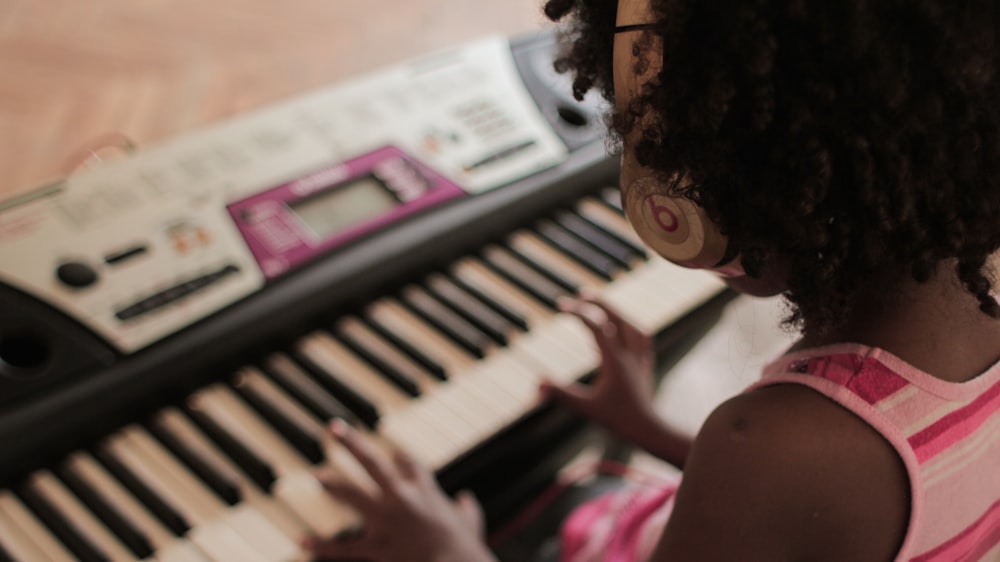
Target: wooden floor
74	70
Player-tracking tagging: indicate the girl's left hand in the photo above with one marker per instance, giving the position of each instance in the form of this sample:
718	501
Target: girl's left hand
407	517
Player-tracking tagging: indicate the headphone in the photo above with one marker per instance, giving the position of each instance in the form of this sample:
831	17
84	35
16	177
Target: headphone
677	229
674	227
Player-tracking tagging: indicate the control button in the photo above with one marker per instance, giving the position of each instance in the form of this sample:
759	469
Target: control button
76	274
175	293
124	255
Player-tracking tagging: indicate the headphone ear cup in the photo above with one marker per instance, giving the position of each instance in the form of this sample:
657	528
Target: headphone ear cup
675	228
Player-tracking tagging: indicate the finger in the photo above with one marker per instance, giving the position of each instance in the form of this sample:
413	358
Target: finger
347	492
631	337
409	468
374	461
596	320
470	510
576	397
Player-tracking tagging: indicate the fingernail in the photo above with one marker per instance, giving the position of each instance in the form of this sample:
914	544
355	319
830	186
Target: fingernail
565	304
339	427
588	293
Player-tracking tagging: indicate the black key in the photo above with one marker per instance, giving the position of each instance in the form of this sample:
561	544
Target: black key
387	369
419	357
596	237
303	438
517	271
62	528
447	321
149	498
259	470
579	250
219	483
361	407
512	316
467	306
117	523
292	379
634	248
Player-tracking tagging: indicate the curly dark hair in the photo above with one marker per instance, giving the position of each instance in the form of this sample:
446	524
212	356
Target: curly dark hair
846	138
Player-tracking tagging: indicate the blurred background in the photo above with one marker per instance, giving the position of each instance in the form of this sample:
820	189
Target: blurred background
74	72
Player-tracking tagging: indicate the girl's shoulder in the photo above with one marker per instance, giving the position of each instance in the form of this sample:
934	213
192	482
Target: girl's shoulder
786	473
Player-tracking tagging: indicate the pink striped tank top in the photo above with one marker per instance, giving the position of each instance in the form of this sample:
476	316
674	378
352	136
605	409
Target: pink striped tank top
948	435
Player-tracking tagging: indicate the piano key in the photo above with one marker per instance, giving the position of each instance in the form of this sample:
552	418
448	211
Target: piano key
564	350
397	370
248	460
611	220
393	317
35	536
219	482
284	415
446	320
476	274
182	429
341	363
512	316
415	354
4	555
70	521
580	250
661	292
141	490
364	336
259	535
607	243
530	245
167	546
602	224
359	405
524	276
568	285
290	377
113	519
17	547
475	311
215	529
458	361
612	197
296	486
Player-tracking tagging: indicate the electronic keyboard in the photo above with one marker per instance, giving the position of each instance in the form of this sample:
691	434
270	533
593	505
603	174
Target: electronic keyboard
180	325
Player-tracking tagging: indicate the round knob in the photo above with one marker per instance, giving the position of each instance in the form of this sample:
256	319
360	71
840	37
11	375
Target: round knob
76	274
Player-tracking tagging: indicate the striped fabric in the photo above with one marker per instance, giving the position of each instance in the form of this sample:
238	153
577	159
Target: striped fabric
948	435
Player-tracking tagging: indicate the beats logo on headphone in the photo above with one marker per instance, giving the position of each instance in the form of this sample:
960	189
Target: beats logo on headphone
676	228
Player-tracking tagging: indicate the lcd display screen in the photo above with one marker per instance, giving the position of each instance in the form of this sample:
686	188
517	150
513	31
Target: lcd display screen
330	212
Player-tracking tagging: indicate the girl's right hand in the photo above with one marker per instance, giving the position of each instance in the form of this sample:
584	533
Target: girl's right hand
622	393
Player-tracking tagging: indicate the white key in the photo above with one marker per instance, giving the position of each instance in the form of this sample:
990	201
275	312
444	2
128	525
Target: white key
552	259
296	486
17	544
293	528
78	516
216	539
34	531
166	546
259	534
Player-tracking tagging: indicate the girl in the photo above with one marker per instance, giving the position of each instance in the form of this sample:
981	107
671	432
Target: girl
842	154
